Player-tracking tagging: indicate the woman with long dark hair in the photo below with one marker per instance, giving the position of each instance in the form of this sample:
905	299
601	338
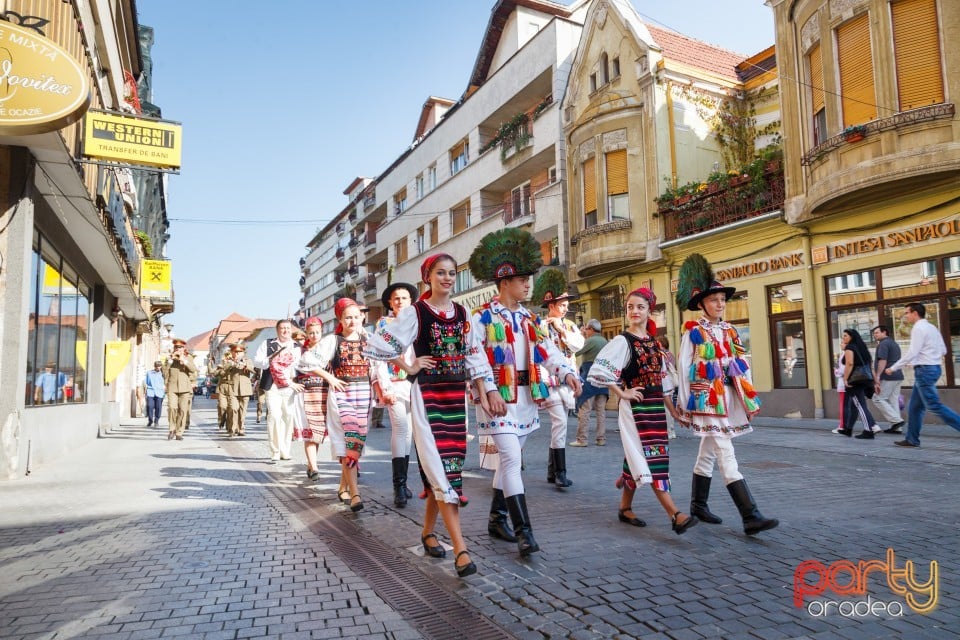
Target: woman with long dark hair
856	355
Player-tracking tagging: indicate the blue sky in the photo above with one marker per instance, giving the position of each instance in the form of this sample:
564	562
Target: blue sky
282	107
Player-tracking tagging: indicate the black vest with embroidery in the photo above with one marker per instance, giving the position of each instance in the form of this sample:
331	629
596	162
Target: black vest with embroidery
645	366
445	340
348	363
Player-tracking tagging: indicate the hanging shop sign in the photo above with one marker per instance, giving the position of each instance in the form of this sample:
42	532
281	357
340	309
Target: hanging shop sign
42	87
155	279
131	140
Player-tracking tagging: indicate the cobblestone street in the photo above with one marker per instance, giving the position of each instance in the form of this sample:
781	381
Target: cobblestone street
139	537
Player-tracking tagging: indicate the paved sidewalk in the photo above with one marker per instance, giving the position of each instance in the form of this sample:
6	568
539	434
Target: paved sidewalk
139	537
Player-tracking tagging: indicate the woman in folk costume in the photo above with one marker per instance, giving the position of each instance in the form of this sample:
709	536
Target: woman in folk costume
448	354
633	366
312	375
347	372
716	398
391	389
550	291
514	345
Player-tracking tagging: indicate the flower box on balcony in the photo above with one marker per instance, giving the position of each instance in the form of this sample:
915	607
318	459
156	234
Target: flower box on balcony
855	133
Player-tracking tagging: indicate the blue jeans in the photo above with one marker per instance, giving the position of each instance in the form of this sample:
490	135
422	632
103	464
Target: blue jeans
925	397
154	405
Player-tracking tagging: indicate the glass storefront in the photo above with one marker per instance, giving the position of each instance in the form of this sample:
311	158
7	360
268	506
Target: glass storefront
59	319
864	299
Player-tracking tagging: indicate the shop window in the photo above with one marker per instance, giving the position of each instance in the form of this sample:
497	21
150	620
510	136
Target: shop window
785	306
57	330
852	288
611	304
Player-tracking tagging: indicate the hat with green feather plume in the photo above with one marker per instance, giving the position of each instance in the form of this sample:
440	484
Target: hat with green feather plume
551	287
505	253
696	281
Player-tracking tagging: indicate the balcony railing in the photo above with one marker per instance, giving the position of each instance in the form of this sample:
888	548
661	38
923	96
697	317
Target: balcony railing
712	210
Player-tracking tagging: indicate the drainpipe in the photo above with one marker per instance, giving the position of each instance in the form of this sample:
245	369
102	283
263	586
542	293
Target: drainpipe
812	330
670	132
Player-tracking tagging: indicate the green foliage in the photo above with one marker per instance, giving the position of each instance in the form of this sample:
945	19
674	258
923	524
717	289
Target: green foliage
145	242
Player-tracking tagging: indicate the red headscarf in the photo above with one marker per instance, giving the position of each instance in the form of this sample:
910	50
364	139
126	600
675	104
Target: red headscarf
312	320
651	298
339	307
427	266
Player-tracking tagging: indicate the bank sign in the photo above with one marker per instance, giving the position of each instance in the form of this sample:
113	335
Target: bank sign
42	87
132	140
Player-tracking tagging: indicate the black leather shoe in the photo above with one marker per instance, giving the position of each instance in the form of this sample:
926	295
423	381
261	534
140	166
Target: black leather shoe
894	428
905	443
434	551
680	529
631	520
866	435
464	570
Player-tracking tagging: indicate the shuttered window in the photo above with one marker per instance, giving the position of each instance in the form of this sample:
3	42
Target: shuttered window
858	98
460	218
617	172
815	61
916	46
589	186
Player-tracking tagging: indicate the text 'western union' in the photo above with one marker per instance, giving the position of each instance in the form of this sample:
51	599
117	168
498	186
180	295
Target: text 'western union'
133	134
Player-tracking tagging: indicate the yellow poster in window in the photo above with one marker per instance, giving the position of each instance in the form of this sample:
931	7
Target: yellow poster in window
116	356
155	279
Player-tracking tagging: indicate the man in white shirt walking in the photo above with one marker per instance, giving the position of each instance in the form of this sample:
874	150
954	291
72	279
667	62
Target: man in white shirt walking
927	349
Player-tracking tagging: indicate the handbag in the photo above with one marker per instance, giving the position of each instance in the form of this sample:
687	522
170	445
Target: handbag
862	375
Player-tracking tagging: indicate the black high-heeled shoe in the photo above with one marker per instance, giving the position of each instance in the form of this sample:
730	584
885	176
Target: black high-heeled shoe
434	551
464	570
680	529
634	520
356	506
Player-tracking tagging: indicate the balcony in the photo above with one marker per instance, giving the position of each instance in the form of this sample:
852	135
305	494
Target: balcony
742	199
369	202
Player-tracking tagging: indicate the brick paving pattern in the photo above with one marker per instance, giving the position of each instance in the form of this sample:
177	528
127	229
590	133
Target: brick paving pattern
134	536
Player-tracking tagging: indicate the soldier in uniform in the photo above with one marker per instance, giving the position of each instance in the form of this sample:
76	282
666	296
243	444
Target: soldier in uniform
242	390
179	374
225	380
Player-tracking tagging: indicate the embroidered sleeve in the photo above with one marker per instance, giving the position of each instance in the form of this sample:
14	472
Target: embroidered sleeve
392	338
478	364
608	366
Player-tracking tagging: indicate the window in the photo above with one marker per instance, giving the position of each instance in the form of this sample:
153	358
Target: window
57	332
421	240
815	66
616	68
617	187
420	187
603	71
589	192
432	178
465	280
400	250
552	174
400	202
593	82
555	251
857	96
460	218
520	202
862	300
434	232
459	157
916	47
785	306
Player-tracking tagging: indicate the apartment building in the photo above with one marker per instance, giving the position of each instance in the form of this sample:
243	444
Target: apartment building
493	158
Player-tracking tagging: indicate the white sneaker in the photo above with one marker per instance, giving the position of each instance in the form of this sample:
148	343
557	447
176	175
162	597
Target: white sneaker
876	429
275	456
577	444
838	430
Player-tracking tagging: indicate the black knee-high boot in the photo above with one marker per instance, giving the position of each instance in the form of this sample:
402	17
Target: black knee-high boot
406	471
551	467
399	483
497	526
526	544
698	503
560	468
753	520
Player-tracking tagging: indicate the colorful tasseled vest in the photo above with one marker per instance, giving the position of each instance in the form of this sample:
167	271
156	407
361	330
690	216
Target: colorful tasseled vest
500	340
707	375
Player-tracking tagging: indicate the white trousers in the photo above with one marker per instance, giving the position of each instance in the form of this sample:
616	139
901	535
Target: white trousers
401	435
507	477
280	420
888	400
719	451
558	421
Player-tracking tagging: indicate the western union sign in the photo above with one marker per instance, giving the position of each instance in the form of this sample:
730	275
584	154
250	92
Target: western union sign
132	140
155	279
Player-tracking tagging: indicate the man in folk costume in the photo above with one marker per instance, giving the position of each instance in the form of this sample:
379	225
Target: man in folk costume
716	398
515	346
551	292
